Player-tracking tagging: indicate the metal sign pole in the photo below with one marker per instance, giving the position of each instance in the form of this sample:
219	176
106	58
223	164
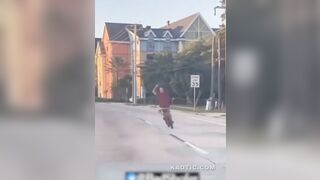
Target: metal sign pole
194	99
194	83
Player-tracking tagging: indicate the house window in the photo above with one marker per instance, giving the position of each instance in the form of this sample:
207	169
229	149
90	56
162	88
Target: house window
167	37
167	46
196	35
150	45
151	35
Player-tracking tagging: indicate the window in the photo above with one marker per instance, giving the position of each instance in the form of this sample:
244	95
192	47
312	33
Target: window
196	34
150	45
167	46
167	37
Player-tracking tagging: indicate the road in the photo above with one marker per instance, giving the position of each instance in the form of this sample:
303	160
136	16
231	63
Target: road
135	138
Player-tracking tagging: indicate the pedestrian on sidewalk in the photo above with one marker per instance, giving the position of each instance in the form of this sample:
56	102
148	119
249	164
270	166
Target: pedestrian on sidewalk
164	100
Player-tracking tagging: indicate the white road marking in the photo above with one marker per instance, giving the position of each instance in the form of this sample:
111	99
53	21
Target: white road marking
190	145
146	121
196	148
185	142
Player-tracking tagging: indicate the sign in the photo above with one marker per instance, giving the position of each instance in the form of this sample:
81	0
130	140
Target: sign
195	81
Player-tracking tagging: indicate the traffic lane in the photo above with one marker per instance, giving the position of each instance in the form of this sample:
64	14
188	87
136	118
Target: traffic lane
160	160
206	135
201	129
122	137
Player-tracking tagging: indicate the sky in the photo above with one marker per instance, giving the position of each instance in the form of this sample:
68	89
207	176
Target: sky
154	13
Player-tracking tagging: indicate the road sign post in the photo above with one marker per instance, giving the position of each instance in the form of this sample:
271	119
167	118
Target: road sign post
194	83
194	99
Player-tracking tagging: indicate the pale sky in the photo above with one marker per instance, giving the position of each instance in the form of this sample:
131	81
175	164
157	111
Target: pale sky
154	13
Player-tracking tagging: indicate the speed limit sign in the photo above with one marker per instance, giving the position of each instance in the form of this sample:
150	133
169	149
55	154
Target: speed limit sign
195	81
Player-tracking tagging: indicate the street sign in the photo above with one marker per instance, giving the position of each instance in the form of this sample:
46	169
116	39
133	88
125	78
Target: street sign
195	81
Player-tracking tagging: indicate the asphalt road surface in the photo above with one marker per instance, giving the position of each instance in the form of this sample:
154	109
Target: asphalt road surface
135	138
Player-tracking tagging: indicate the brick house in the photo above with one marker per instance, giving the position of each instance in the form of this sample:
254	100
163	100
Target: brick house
114	44
118	41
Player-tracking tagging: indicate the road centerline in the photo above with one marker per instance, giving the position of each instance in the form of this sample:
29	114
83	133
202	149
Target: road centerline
146	121
189	144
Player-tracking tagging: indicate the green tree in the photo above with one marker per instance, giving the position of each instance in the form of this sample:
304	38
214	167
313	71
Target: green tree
158	70
195	59
175	70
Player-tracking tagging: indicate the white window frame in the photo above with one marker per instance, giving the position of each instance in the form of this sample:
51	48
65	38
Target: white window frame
147	34
167	32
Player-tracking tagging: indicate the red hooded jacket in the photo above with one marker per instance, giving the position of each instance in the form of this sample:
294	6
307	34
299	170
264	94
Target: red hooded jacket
164	98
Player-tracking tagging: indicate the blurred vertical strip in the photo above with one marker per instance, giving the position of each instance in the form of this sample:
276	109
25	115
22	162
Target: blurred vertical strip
273	72
46	62
46	89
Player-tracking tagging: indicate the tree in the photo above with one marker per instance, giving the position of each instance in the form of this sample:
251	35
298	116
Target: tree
117	65
157	70
176	70
123	90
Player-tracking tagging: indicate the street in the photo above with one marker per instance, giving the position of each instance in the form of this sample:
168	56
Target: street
135	138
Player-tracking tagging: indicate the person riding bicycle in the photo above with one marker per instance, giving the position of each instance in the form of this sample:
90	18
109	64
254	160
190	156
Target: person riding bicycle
164	100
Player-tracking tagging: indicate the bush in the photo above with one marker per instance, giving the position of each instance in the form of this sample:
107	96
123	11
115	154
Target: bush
179	101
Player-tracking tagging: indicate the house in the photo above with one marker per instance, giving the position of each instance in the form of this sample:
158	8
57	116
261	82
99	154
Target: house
171	38
123	39
114	44
97	41
101	82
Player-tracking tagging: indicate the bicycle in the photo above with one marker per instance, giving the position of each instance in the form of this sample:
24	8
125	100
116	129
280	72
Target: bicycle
167	117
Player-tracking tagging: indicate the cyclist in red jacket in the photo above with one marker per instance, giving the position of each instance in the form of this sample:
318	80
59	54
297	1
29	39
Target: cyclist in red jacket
164	100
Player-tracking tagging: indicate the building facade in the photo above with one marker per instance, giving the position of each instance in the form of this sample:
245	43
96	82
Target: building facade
112	58
133	41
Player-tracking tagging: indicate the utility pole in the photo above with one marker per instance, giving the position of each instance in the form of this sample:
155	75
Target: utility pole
219	74
212	73
134	79
222	6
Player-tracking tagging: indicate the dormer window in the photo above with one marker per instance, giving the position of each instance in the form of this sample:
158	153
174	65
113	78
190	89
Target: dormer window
150	34
167	35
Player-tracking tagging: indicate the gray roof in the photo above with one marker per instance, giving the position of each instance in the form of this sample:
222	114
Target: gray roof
117	31
97	40
175	28
159	32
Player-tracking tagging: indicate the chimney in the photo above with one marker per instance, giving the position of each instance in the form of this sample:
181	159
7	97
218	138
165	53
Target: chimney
148	28
168	22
